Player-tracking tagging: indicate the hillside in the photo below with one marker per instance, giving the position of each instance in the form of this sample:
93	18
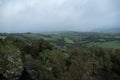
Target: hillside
61	56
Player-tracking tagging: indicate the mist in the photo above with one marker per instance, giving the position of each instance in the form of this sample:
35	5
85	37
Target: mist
58	15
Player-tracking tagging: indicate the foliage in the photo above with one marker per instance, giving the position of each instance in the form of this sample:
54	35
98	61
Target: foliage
76	62
10	60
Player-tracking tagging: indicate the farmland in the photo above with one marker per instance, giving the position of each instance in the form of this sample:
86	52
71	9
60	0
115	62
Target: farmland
2	37
105	40
65	39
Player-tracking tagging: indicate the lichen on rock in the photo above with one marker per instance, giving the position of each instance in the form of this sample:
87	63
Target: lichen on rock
10	60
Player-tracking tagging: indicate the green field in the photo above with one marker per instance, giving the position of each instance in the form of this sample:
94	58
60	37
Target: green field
104	40
2	37
64	39
68	40
111	44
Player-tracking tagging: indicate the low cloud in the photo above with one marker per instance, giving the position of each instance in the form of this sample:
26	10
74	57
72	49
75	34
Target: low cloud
58	15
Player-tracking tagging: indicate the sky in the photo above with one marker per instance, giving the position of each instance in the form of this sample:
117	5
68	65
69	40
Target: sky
58	15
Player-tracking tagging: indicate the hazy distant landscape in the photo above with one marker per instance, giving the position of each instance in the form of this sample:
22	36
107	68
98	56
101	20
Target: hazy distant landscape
63	39
56	52
59	40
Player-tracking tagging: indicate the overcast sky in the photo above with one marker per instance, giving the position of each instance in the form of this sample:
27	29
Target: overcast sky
58	15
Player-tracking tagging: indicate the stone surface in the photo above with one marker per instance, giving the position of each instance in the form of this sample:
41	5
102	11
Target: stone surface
10	60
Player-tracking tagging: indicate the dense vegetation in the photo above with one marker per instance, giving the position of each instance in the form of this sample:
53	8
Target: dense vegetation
72	56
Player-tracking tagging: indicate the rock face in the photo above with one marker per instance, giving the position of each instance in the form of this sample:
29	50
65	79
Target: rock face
28	74
10	60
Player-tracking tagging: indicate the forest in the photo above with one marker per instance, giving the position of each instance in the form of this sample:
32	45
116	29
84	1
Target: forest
60	56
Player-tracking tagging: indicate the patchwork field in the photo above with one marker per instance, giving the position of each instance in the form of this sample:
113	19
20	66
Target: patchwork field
64	39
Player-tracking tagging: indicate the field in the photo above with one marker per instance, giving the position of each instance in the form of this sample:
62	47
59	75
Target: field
64	39
111	44
2	37
68	40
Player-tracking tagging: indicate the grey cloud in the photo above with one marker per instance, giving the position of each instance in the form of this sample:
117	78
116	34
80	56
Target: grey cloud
50	15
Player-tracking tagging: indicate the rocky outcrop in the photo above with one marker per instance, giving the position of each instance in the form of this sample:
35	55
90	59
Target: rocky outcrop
10	60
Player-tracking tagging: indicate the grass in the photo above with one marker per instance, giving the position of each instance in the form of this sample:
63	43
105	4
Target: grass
84	39
92	44
56	37
36	36
118	37
102	40
111	44
32	36
2	37
68	40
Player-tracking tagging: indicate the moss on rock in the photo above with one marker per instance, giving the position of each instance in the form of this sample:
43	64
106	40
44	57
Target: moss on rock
10	60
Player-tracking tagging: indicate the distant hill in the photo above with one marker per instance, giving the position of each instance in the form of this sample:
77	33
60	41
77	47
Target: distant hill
108	30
